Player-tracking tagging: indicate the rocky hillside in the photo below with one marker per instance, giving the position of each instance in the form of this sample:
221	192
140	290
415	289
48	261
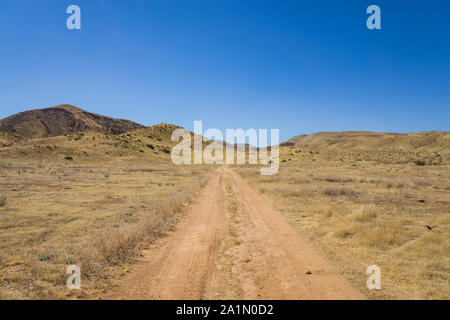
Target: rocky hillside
61	120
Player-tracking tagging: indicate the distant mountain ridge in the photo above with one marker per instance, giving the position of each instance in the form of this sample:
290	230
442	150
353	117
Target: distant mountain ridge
60	120
66	119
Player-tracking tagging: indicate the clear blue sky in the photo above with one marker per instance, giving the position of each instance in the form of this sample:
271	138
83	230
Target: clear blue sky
301	66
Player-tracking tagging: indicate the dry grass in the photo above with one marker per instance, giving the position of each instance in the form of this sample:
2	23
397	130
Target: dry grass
116	245
93	214
326	211
338	191
394	214
366	213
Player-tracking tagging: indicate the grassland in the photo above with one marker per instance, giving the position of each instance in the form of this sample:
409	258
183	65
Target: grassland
93	200
362	211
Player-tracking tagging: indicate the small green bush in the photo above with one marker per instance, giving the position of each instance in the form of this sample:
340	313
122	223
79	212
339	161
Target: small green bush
2	201
420	162
68	260
165	149
45	257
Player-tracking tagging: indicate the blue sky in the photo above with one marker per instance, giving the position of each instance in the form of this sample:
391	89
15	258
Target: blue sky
300	66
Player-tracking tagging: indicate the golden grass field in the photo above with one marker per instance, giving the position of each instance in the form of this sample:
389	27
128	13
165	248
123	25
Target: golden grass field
95	209
364	212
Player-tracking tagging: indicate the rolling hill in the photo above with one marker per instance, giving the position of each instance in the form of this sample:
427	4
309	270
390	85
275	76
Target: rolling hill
68	130
60	120
362	141
432	146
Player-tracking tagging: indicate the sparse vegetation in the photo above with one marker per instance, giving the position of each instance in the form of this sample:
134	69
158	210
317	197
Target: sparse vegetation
364	211
45	257
2	201
420	162
326	211
60	228
165	149
114	246
338	191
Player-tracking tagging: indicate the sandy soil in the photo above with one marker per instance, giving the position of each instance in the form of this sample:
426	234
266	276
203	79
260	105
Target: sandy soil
232	245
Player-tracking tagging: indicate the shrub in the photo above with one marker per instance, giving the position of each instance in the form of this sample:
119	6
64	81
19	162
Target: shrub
326	212
151	146
335	191
382	236
420	162
289	192
343	233
365	213
68	260
69	158
337	179
165	149
45	257
2	201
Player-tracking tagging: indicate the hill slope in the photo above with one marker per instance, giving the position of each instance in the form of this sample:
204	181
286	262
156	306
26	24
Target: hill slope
432	147
361	141
60	120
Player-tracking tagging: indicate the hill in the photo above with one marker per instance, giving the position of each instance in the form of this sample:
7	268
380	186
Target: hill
432	146
61	120
360	140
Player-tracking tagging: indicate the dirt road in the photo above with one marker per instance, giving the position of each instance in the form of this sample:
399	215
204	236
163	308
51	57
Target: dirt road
233	245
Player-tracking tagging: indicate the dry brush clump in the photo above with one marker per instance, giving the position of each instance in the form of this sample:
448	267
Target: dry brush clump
362	225
395	182
297	180
365	213
326	212
339	191
336	179
288	192
384	181
2	201
344	232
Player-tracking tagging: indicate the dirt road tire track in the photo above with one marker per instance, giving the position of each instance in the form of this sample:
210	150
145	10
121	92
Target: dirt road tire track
178	267
191	262
284	264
